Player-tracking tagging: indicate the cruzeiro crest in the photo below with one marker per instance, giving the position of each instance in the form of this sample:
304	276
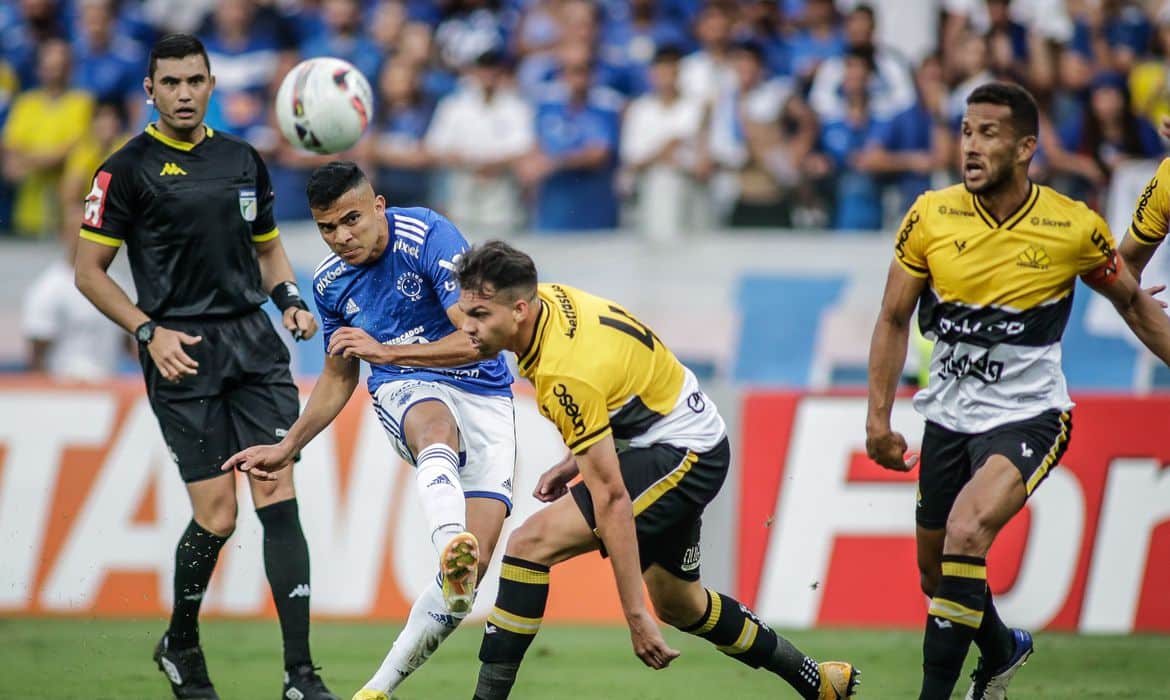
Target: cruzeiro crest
248	206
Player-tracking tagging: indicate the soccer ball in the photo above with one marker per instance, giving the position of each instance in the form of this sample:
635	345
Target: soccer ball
324	105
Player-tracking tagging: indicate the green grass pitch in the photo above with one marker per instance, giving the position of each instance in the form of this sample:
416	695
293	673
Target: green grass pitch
110	659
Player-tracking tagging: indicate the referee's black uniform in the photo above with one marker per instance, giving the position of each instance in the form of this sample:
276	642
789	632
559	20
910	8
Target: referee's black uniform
190	216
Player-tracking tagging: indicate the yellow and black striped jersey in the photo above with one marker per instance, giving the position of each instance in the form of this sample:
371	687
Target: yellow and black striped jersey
999	297
600	371
1151	215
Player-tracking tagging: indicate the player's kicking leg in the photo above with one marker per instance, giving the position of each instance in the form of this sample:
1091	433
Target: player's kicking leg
464	519
736	631
178	654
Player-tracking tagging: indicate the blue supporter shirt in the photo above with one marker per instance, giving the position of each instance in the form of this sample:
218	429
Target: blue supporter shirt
912	130
859	197
406	126
113	73
403	297
364	54
578	199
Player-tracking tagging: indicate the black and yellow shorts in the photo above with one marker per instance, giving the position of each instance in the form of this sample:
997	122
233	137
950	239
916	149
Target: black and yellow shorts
669	488
949	459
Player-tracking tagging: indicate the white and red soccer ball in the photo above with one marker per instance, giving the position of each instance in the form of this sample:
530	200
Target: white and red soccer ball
324	105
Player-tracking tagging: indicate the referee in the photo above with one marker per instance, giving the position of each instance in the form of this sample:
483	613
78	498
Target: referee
194	208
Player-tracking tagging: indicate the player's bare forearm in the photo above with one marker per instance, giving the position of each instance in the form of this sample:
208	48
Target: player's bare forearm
274	265
615	521
1136	255
1149	323
329	396
887	357
451	350
94	282
887	348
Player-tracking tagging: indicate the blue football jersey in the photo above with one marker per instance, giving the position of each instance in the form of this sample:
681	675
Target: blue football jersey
403	297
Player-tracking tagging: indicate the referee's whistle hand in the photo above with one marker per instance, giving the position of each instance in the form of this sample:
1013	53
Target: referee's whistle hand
888	449
300	323
172	361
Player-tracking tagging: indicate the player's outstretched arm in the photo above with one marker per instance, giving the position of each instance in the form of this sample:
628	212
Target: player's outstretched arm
330	394
615	524
887	357
1140	310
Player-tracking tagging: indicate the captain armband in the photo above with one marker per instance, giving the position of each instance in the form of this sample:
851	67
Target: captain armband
286	295
1107	272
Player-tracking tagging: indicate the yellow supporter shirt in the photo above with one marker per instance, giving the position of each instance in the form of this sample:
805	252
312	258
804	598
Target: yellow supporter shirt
41	124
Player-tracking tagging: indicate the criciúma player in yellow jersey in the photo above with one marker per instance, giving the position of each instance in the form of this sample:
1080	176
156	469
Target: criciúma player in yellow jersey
991	265
1151	219
602	376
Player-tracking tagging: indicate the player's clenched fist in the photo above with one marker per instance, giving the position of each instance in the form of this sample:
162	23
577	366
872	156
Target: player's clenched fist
888	449
300	323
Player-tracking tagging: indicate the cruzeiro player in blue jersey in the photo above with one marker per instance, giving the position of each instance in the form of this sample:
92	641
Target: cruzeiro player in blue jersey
388	295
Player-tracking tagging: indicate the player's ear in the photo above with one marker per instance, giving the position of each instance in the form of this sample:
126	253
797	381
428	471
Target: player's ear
148	87
1025	149
379	203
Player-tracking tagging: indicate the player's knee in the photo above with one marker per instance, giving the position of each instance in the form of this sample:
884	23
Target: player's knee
219	521
677	611
530	542
967	534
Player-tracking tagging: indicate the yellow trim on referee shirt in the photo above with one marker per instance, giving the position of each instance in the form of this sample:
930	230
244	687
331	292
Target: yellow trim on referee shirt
716	610
1050	458
175	143
950	610
659	488
523	575
514	623
99	238
964	570
266	236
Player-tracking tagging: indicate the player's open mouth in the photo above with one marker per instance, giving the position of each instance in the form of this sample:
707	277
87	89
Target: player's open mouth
184	112
972	168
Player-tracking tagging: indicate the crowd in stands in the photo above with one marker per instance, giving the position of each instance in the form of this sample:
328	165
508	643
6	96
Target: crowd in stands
661	117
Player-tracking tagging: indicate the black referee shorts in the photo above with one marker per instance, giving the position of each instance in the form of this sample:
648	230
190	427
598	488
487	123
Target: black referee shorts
243	394
949	459
669	488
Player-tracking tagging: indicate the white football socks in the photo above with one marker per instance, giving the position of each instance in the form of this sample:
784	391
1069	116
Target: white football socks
428	625
440	493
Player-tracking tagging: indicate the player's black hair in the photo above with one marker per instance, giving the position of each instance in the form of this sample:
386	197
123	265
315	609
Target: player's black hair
1025	113
176	46
330	181
501	267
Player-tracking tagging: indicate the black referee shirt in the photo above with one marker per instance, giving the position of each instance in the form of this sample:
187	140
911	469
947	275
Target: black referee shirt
189	216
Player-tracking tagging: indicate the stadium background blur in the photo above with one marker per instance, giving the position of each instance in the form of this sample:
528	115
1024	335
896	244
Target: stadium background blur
748	219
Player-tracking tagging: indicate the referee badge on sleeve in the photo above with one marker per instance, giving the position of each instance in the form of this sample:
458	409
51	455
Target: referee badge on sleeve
248	205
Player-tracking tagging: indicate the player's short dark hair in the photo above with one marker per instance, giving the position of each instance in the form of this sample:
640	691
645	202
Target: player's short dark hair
176	46
501	267
330	181
1025	113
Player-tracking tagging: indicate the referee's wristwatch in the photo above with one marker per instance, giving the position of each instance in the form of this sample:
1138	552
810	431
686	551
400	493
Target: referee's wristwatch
145	333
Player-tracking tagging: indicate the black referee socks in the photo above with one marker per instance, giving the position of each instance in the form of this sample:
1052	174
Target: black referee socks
195	558
286	561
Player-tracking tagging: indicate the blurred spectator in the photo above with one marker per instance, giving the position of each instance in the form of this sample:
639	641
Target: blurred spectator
1148	85
343	38
107	132
574	163
1107	132
110	66
417	47
478	133
818	38
629	44
43	126
186	16
68	338
578	22
248	47
706	73
386	24
538	31
27	24
403	173
660	144
761	21
971	71
470	28
756	160
844	139
891	89
1112	34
